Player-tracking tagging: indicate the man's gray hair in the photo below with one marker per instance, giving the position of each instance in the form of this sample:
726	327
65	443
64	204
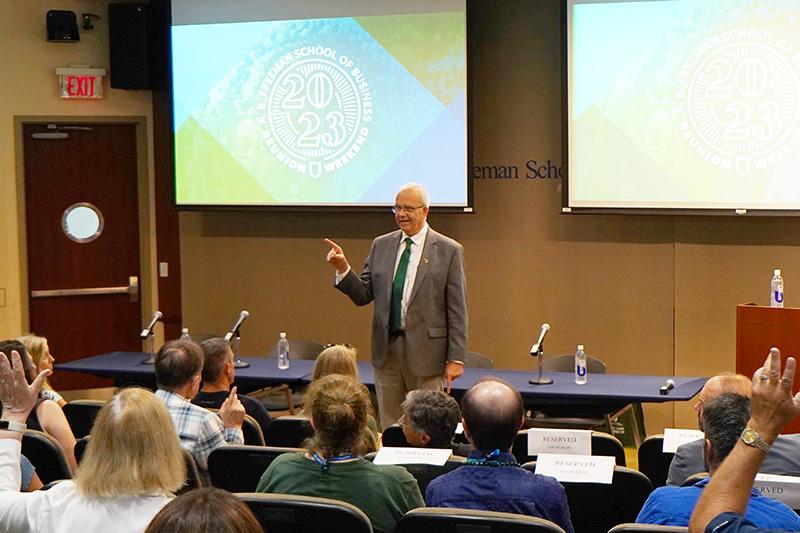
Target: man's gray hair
432	412
724	419
419	189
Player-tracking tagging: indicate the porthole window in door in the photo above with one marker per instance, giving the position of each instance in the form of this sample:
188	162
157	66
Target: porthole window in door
82	222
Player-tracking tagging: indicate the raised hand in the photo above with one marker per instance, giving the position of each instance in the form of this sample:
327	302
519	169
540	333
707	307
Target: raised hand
336	257
232	411
17	396
773	405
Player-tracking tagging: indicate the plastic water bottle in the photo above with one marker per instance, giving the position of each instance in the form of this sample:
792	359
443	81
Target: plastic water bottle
580	366
776	289
283	352
185	334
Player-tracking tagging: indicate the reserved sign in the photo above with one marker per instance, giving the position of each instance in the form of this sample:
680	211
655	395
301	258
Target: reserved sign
412	456
785	489
673	438
576	468
559	441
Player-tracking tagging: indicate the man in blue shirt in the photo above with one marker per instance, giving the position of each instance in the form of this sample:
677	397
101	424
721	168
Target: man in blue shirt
723	419
493	412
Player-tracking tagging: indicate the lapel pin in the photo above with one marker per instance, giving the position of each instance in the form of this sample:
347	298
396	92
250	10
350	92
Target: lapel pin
425	260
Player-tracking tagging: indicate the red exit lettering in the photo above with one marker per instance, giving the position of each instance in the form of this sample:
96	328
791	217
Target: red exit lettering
80	86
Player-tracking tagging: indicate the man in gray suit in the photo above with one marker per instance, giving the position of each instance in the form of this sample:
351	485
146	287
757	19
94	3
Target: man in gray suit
415	276
783	456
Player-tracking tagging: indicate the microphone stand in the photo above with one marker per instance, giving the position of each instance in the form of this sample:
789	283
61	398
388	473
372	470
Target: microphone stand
237	363
540	380
149	342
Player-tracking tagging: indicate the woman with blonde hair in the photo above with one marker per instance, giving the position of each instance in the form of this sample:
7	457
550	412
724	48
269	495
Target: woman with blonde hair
39	351
131	467
332	465
46	415
342	359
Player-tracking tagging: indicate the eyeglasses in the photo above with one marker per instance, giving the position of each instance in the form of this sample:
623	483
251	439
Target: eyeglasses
405	209
402	420
345	344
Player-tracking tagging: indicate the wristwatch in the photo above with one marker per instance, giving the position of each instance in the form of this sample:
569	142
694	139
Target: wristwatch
752	438
10	425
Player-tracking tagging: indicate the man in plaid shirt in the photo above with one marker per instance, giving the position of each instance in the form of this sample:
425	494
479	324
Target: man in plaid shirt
179	365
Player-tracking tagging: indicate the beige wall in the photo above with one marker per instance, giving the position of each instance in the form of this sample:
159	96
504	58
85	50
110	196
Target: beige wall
650	295
28	86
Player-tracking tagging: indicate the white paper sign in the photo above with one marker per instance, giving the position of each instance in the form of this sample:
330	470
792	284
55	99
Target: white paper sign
559	441
576	468
785	489
412	456
459	428
673	438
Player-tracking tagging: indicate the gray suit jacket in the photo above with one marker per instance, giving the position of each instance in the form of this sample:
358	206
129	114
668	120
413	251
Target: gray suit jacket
436	314
783	458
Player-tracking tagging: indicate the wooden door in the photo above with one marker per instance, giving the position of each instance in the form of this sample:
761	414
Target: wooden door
83	295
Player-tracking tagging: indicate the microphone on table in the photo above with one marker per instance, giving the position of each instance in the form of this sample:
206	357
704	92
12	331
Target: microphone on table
542	334
667	386
146	332
235	329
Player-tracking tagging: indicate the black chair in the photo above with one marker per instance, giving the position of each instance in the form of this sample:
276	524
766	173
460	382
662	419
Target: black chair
281	397
425	473
653	462
694	478
647	528
602	444
81	414
597	507
441	520
46	454
193	478
239	468
478	360
251	431
287	513
80	448
393	437
288	431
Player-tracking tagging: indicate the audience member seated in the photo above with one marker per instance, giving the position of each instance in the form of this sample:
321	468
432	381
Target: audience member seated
178	366
333	466
783	457
46	415
342	359
207	510
120	486
723	419
429	420
43	360
29	480
492	480
724	501
218	376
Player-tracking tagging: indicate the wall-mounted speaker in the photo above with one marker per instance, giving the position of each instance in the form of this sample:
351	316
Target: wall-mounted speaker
62	27
130	36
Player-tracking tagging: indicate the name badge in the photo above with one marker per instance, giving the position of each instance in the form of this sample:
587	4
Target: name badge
785	489
673	438
559	441
412	456
576	468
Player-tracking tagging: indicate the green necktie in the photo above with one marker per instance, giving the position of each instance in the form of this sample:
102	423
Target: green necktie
397	288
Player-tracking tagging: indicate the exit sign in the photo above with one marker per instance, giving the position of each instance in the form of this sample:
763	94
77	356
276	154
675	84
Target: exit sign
85	83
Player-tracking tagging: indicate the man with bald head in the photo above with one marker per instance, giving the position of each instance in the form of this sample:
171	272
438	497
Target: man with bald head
783	457
492	480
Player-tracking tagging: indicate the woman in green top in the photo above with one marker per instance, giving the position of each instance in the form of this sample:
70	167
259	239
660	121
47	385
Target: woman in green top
332	465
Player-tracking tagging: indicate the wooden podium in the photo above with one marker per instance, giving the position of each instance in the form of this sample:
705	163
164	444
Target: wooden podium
760	328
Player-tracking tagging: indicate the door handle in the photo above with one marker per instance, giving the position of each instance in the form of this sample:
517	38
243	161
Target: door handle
131	289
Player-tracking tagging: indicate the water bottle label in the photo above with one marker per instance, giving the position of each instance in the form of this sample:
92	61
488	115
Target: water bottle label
778	295
580	370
